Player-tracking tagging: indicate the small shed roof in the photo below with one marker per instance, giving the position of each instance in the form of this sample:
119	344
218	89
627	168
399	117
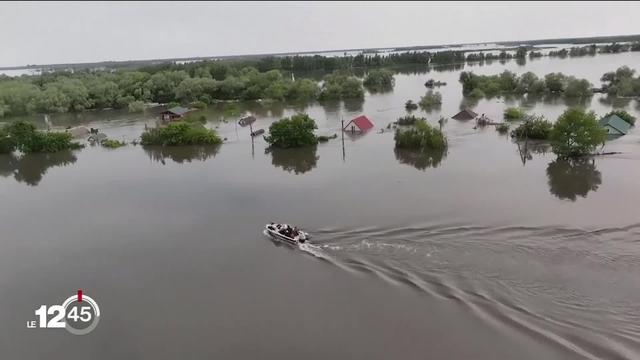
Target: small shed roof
178	110
615	124
465	114
362	122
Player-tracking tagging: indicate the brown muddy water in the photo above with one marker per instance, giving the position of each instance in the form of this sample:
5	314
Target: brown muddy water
487	251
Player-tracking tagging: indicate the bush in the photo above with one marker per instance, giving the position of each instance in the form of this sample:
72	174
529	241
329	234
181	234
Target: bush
379	80
410	105
296	131
576	133
513	113
409	120
136	106
476	94
624	116
180	133
198	105
23	136
112	144
422	136
502	128
430	99
534	128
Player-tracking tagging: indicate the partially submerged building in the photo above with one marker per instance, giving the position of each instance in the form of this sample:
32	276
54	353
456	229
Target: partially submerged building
175	113
360	124
465	114
615	125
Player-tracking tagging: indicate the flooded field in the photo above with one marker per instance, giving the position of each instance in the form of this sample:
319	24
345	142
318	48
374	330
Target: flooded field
489	251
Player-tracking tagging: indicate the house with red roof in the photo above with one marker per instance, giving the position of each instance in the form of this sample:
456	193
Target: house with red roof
359	124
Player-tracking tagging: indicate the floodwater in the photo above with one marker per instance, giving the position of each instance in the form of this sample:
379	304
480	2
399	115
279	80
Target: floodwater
490	250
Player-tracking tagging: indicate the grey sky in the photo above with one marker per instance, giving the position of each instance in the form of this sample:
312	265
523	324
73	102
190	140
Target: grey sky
41	33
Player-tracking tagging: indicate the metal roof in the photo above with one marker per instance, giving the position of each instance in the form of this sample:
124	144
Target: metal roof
362	122
465	114
616	123
178	110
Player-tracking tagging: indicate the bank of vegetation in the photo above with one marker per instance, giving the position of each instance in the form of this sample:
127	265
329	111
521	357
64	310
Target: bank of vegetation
508	82
24	137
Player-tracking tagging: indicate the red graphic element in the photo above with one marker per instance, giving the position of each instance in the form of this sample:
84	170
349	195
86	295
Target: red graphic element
79	295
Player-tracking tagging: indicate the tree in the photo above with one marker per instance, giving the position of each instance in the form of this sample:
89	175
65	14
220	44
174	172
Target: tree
296	131
422	136
576	133
379	80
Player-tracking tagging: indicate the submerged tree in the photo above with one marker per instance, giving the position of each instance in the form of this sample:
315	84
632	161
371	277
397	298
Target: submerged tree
576	133
379	80
293	132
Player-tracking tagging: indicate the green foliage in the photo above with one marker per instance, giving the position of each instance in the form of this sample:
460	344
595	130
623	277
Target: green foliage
379	80
198	104
513	113
112	144
410	105
476	93
430	99
577	88
621	82
502	128
422	136
409	120
478	86
180	133
338	86
296	131
536	127
624	116
23	136
7	143
136	106
576	133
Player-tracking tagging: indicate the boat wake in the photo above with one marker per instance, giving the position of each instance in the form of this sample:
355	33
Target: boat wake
568	287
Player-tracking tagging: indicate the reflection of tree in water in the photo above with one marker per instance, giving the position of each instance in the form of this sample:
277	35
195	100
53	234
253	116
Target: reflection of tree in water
353	105
614	101
420	159
379	89
31	168
181	154
298	160
526	149
468	102
570	178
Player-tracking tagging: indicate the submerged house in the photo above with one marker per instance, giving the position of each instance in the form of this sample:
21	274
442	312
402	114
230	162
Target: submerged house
174	113
465	114
359	124
614	125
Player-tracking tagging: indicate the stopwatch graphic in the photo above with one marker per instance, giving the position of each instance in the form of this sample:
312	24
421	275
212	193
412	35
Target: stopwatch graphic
79	314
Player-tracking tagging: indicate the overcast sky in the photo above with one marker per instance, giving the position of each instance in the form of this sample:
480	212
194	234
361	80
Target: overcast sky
44	33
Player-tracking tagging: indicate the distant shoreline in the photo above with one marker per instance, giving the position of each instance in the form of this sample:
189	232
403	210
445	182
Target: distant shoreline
146	62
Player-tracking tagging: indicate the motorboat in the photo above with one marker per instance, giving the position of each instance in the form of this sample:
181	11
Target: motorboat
287	233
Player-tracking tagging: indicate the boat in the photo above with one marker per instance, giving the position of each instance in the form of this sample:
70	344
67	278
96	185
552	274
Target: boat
277	231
